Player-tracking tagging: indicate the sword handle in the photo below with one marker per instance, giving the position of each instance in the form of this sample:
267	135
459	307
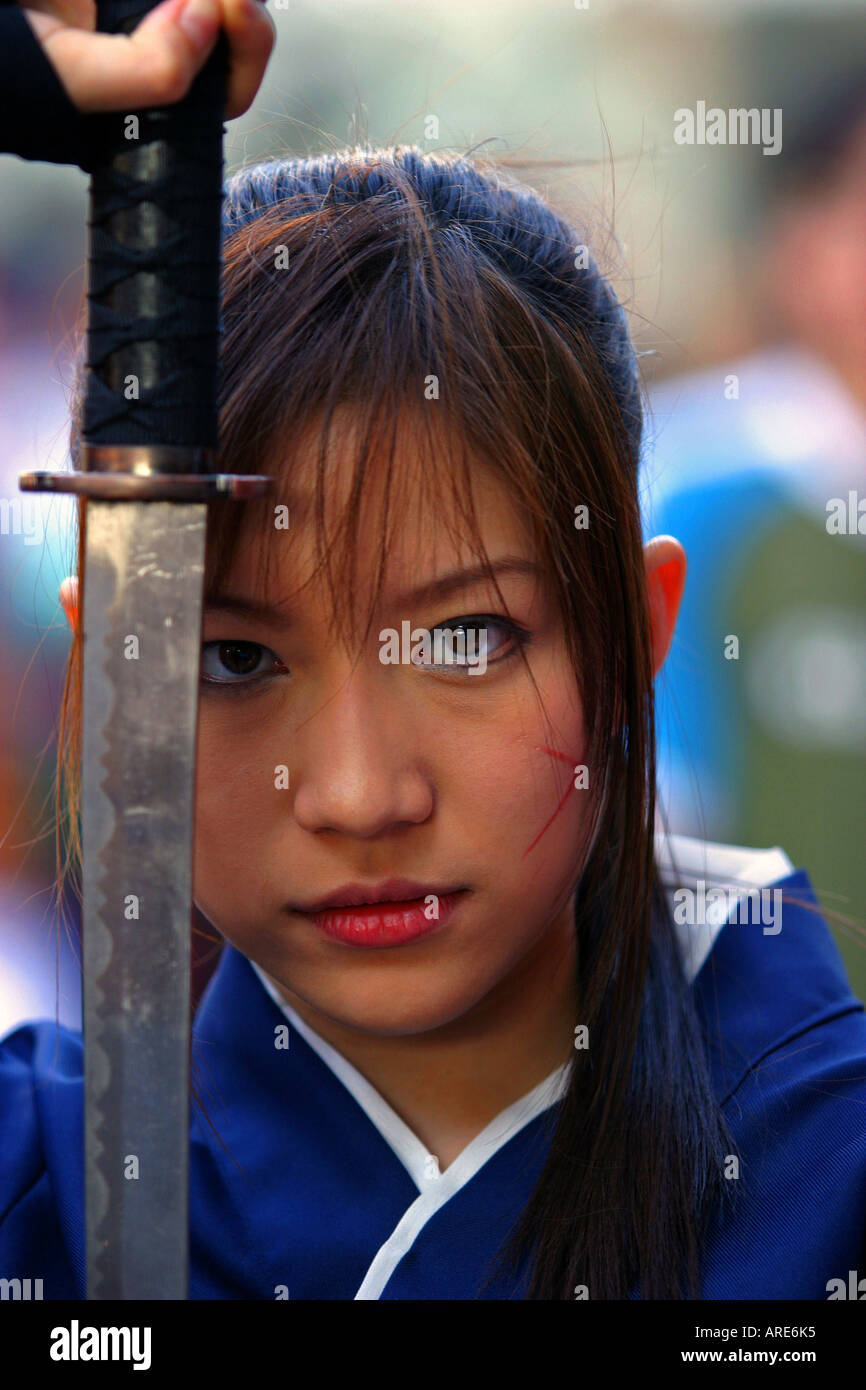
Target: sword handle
155	259
154	263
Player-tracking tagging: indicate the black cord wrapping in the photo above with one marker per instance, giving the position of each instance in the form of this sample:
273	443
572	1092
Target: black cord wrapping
155	261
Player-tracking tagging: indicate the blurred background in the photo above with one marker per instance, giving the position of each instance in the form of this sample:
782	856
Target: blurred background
744	273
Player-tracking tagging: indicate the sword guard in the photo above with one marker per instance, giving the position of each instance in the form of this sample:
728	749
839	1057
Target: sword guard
147	473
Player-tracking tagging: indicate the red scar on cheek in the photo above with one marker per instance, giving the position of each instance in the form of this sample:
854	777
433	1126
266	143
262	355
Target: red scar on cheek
555	753
566	758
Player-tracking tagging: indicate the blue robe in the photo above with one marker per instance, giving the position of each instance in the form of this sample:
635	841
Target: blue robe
315	1188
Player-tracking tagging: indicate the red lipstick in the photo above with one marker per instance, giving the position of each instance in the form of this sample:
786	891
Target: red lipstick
389	914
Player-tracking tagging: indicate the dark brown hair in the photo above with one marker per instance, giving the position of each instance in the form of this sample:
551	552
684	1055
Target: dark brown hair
437	291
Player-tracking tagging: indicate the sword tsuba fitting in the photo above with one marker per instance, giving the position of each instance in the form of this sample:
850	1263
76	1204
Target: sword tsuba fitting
147	473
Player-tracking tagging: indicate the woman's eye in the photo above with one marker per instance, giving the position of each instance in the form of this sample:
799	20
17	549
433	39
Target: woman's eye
471	643
237	663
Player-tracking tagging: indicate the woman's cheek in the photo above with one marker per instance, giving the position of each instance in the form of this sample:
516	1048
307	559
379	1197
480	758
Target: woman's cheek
550	751
235	795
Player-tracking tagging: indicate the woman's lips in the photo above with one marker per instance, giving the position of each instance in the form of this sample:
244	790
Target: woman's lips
386	924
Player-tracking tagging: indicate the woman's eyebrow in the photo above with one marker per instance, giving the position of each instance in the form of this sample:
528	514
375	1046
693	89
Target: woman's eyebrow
247	608
462	578
446	584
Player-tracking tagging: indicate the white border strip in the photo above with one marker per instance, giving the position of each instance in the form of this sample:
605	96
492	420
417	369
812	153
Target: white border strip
406	1145
482	1148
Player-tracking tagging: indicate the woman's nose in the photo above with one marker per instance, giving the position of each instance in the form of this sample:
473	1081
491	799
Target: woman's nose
357	764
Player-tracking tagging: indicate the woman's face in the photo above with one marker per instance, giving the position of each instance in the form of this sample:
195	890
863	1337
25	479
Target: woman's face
451	779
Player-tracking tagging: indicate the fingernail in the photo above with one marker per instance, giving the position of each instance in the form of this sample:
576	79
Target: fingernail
199	21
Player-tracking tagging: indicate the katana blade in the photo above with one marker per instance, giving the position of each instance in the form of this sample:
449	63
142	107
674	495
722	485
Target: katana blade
144	564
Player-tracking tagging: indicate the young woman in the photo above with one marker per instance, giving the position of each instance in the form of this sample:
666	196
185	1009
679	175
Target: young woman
474	1032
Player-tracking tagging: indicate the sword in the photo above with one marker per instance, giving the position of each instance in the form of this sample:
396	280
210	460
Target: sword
150	433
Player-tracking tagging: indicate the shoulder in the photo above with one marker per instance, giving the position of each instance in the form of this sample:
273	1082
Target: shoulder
785	1034
41	1049
41	1123
41	1092
764	966
775	975
41	1158
762	959
786	1046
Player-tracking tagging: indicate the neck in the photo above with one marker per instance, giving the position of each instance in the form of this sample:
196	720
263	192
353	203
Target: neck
448	1083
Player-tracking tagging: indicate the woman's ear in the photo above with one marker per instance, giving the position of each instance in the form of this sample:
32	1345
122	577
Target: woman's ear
68	596
665	565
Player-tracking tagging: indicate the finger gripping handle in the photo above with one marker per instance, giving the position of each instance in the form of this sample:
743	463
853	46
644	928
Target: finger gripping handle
155	261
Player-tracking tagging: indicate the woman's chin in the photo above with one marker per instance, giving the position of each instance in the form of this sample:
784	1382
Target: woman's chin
382	1009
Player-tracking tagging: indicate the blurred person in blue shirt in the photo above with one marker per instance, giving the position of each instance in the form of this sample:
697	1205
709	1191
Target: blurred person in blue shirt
759	467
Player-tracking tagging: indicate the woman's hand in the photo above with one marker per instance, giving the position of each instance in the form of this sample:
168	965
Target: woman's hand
156	63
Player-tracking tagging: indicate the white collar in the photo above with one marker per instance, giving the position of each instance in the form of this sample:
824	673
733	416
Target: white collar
683	861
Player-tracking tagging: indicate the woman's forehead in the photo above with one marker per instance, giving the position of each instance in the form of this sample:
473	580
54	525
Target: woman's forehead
417	552
414	451
425	506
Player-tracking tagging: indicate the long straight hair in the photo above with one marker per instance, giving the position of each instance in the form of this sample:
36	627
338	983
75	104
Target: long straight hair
438	292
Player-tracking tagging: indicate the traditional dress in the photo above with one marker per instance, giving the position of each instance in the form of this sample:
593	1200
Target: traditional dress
306	1184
